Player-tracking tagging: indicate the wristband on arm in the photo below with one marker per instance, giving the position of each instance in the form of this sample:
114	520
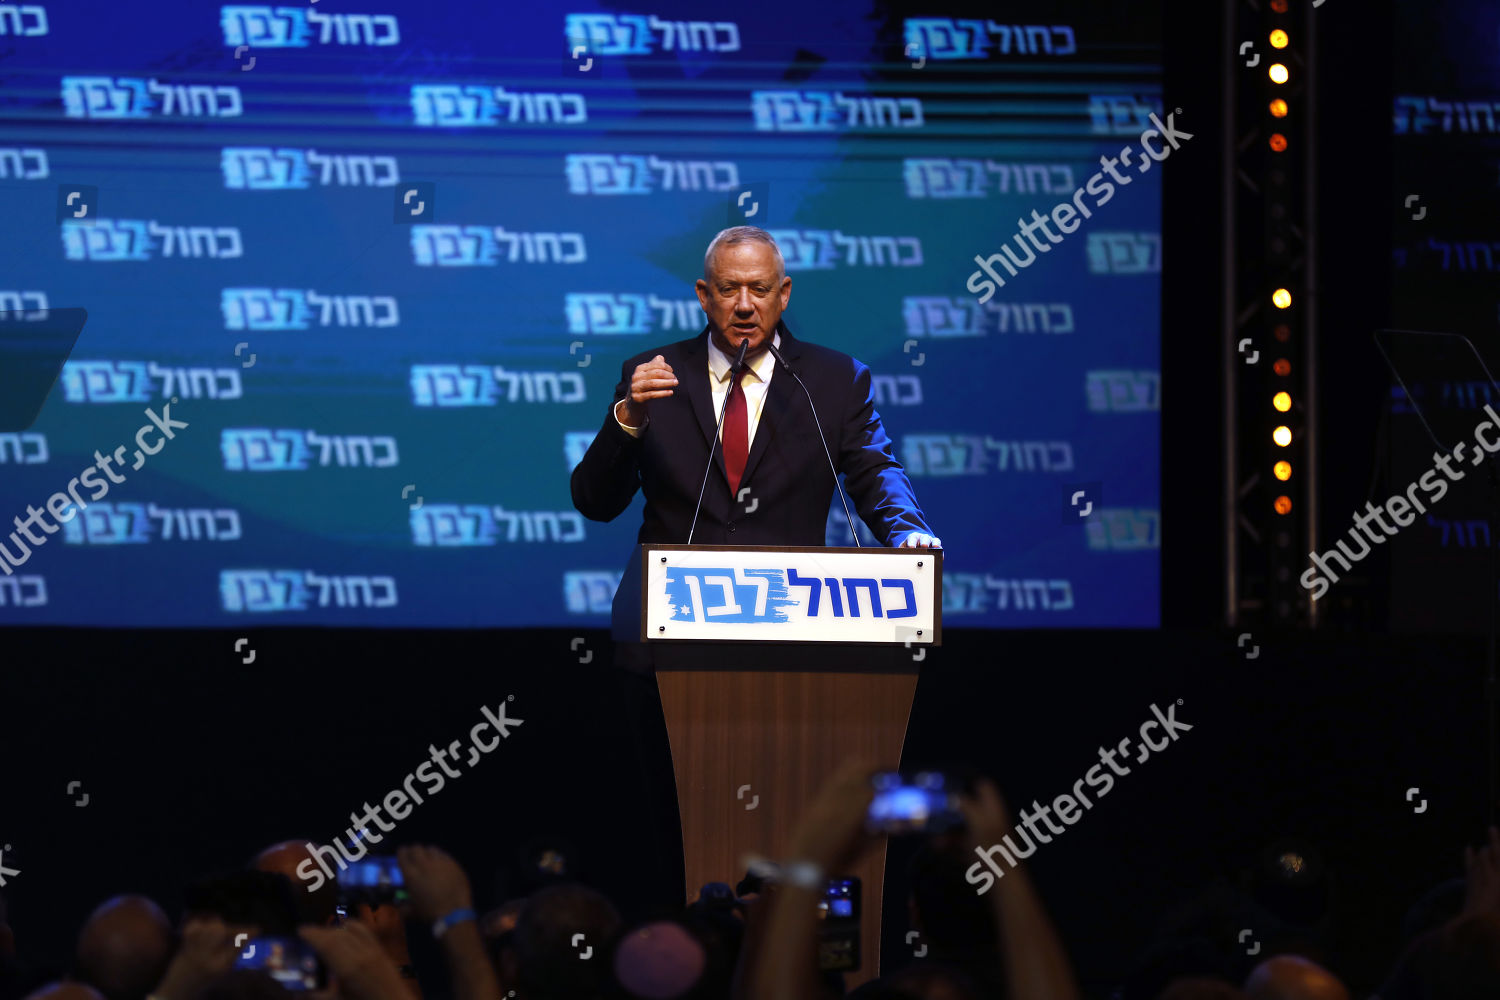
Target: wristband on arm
442	924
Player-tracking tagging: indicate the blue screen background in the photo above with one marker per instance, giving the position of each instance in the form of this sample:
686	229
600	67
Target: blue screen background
243	210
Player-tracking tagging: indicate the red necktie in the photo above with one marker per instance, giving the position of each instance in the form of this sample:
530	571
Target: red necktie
736	435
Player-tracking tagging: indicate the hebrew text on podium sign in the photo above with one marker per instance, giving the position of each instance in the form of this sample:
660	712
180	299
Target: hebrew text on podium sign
791	594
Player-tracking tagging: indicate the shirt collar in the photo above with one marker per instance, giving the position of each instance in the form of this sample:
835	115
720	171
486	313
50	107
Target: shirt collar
761	365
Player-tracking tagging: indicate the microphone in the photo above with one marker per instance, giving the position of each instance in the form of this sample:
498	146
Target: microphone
734	372
819	425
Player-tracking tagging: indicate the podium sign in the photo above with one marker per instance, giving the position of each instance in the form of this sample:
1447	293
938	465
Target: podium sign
768	593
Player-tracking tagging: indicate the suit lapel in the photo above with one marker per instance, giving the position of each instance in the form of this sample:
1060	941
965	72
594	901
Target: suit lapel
776	411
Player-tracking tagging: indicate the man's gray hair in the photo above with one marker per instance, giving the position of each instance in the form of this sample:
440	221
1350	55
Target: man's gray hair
735	235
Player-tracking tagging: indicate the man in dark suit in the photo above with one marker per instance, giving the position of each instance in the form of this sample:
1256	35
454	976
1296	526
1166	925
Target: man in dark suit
770	483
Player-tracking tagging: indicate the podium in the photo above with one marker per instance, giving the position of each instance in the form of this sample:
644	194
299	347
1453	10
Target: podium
775	664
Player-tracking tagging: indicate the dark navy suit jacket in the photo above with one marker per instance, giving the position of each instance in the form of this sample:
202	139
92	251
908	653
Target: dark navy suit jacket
790	487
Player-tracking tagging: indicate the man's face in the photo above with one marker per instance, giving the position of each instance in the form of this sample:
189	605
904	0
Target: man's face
743	298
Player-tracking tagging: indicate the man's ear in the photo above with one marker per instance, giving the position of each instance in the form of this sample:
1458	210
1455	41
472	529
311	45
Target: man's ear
702	289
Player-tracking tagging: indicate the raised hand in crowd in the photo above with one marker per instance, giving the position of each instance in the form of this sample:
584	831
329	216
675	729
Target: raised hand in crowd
1031	952
441	898
207	952
1482	876
357	961
781	956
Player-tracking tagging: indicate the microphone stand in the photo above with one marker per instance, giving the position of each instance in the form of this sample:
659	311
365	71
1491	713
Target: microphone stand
819	425
734	371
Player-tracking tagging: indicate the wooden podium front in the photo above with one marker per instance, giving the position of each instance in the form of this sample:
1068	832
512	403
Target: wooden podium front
782	734
756	728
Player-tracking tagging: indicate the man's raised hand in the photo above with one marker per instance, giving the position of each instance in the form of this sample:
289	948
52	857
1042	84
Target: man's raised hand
652	380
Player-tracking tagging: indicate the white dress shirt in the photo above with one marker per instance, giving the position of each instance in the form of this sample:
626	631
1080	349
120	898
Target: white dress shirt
754	381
